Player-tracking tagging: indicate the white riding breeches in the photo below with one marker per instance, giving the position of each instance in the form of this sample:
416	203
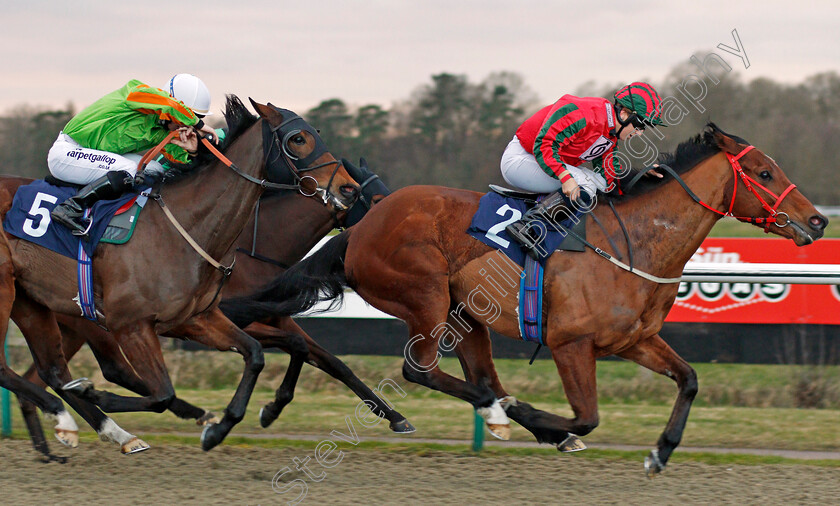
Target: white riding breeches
521	169
70	162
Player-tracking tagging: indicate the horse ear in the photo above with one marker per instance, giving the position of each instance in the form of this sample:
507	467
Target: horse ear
723	141
267	112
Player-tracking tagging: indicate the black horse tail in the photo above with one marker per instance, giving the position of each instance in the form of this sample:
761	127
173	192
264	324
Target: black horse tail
319	277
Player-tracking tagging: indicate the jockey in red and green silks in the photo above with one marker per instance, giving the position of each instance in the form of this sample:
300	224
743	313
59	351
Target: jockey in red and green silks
547	153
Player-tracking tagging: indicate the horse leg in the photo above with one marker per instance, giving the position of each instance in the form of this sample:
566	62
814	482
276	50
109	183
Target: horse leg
293	344
575	362
66	430
141	347
475	354
655	354
214	329
426	312
39	327
421	366
327	362
117	370
70	345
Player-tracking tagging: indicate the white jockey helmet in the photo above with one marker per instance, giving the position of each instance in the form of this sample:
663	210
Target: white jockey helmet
192	92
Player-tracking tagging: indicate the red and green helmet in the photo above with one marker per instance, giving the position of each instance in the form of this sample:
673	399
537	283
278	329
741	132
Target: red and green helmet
642	99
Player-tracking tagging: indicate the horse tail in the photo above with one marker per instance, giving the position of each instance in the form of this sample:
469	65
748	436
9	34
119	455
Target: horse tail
319	277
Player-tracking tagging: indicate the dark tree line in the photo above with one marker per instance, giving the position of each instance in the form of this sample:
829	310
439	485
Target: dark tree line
452	132
26	135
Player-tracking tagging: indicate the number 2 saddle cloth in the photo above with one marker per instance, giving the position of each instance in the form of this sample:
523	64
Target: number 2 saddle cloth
497	210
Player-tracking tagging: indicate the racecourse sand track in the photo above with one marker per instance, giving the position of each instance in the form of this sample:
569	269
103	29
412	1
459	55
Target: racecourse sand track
174	473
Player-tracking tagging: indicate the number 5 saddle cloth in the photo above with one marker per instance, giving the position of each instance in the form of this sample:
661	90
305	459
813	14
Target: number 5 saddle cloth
29	219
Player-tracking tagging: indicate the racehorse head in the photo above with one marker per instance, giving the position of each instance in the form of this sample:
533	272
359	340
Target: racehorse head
762	190
372	191
295	153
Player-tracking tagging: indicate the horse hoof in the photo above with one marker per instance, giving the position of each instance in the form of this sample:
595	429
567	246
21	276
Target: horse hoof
571	444
653	466
207	417
49	457
78	386
135	445
402	427
499	431
267	417
496	420
212	435
69	438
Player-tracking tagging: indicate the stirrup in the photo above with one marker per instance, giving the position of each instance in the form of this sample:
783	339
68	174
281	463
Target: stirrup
83	233
528	243
65	220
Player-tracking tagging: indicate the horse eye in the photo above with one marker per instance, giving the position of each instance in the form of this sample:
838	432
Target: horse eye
765	175
298	139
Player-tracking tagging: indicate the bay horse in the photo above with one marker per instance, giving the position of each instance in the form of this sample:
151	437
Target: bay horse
158	283
410	257
264	250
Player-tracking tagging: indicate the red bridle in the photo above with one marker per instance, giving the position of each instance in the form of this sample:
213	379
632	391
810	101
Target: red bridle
749	183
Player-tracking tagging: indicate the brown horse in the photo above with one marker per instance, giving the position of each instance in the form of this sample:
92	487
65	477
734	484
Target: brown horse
410	257
158	283
264	251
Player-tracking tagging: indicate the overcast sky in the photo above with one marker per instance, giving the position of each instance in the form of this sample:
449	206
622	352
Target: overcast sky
296	54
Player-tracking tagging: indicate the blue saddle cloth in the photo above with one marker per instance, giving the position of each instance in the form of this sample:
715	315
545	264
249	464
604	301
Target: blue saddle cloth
29	218
495	212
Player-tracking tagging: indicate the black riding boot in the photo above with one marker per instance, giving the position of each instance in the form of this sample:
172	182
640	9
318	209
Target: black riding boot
528	236
108	187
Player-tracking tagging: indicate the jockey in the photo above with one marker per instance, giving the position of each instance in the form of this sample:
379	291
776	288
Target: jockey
546	153
100	147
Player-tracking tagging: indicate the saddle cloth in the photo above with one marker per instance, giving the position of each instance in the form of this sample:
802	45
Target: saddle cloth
495	212
29	219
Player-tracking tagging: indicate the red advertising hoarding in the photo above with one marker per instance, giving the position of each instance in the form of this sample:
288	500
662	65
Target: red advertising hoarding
760	302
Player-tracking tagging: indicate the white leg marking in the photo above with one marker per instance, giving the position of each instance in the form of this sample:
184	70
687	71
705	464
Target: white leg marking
66	430
497	421
494	414
65	421
113	433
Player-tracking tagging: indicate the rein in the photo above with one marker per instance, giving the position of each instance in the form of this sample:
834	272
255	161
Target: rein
262	182
739	173
228	270
748	182
618	263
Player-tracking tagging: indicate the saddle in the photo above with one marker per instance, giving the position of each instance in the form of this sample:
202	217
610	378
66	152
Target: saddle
121	226
527	196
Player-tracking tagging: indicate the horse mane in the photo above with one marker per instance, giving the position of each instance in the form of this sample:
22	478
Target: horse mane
238	118
687	155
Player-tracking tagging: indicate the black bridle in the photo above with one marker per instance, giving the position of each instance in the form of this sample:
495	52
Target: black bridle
277	138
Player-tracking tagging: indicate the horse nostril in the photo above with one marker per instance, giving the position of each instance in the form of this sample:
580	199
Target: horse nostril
818	222
349	191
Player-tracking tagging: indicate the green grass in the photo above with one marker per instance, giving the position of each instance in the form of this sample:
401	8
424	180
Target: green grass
747	406
619	382
431	449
